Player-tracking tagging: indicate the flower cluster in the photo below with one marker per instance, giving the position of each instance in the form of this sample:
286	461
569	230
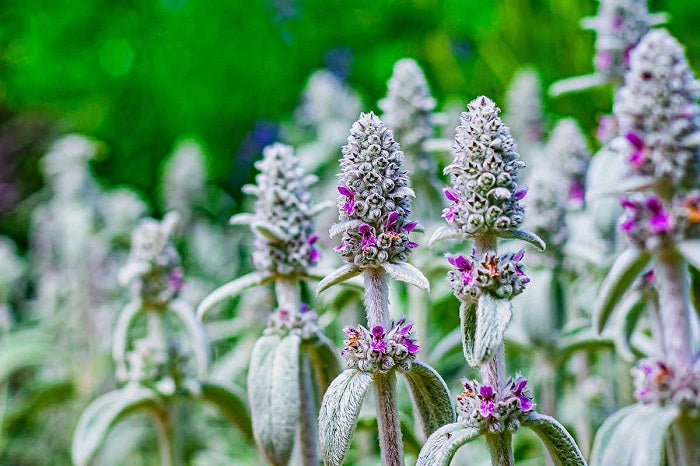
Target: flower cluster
283	201
154	267
380	350
408	110
658	112
568	149
303	323
647	221
493	411
327	103
524	105
484	174
161	367
374	197
659	382
501	276
619	26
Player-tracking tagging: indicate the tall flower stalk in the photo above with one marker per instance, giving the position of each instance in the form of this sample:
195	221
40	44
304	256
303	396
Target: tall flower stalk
293	352
659	121
374	209
485	205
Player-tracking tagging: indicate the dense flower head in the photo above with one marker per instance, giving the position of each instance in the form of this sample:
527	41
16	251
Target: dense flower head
524	107
619	25
659	382
303	323
374	201
568	150
485	196
472	276
283	201
154	267
485	407
380	349
648	221
162	367
327	100
658	113
408	110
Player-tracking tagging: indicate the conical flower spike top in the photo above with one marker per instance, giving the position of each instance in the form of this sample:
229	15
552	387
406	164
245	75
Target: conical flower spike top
284	236
658	112
408	107
484	174
524	107
374	201
568	150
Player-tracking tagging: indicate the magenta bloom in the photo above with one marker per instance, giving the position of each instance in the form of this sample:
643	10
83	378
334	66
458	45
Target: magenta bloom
520	193
487	407
636	158
524	401
378	344
349	205
175	279
391	222
449	213
314	255
368	238
576	191
463	265
603	60
659	220
410	345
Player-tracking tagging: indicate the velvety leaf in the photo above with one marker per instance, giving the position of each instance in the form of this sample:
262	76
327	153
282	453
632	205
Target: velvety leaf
467	318
492	317
443	233
270	232
324	361
431	398
631	309
405	272
341	274
442	445
242	219
634	435
338	415
273	392
580	339
320	207
103	413
524	235
560	444
230	403
195	331
342	227
119	336
21	350
231	289
622	274
690	249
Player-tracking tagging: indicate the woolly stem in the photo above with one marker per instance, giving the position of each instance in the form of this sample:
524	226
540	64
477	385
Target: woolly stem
377	309
288	294
493	373
308	434
673	293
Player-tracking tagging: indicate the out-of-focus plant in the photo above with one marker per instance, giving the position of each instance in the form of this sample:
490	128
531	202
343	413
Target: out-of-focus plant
525	112
374	208
659	127
293	352
485	206
159	370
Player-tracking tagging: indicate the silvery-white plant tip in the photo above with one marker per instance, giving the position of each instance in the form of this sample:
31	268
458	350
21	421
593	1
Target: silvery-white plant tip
577	84
524	107
327	99
184	177
70	151
408	108
374	202
657	111
485	196
568	150
284	236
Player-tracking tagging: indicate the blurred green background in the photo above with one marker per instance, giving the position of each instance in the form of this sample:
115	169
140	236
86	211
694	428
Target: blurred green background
139	74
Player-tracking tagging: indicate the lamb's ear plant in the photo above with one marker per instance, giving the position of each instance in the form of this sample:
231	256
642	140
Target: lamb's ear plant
374	209
485	206
293	362
659	121
619	26
156	371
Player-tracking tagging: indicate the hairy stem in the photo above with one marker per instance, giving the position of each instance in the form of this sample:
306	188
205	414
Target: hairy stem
673	293
308	432
493	373
288	294
377	308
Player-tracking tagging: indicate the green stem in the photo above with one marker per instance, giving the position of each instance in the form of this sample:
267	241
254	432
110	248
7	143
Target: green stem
166	439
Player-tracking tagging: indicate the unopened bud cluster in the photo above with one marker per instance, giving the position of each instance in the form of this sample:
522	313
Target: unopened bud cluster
658	112
408	109
380	349
484	174
568	150
661	383
154	267
545	207
648	223
502	276
374	197
163	368
283	201
490	410
524	105
303	323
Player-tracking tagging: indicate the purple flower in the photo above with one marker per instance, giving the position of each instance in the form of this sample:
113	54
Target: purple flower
391	221
378	344
659	220
649	277
175	279
368	238
617	24
487	407
449	213
636	158
410	345
314	255
377	331
576	191
349	205
603	60
463	265
524	401
304	308
520	193
518	256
